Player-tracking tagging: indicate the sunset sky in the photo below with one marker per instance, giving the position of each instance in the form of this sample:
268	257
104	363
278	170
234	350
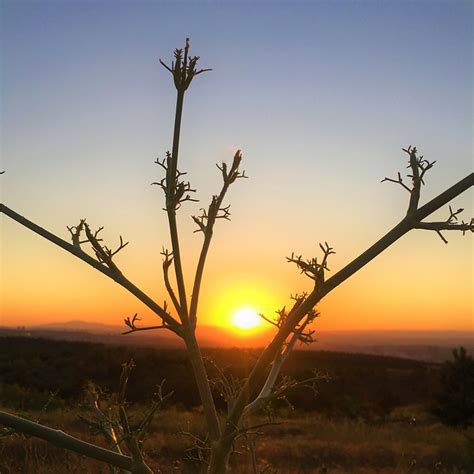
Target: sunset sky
320	97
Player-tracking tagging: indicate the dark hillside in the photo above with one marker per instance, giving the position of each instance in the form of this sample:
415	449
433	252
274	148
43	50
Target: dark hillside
356	384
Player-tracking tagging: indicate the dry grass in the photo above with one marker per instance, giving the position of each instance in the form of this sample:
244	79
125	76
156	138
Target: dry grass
302	443
313	443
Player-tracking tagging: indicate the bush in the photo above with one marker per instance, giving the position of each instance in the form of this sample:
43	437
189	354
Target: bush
454	402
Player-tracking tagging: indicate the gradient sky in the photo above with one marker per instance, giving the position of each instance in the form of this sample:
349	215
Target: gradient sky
320	97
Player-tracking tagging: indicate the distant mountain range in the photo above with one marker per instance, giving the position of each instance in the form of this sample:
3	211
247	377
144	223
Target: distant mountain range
208	336
78	325
422	345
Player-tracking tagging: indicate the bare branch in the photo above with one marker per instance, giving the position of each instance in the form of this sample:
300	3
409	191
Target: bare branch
200	447
311	267
117	277
103	424
129	436
451	223
65	441
75	232
463	226
268	320
418	167
103	253
299	334
148	418
133	328
255	429
167	261
206	222
183	68
132	437
398	181
146	328
226	385
176	190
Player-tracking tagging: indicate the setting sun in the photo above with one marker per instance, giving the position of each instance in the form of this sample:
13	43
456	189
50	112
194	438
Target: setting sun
246	318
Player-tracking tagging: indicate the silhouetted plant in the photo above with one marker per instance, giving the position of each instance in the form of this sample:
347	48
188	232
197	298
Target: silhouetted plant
454	402
291	326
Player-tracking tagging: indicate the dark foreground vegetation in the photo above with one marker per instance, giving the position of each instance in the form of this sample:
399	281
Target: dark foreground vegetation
353	385
364	413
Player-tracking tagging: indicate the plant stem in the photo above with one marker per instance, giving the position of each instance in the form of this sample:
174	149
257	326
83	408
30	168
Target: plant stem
171	208
203	255
63	440
202	381
194	353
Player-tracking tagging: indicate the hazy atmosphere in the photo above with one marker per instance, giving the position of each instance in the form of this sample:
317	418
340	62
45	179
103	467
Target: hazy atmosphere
319	96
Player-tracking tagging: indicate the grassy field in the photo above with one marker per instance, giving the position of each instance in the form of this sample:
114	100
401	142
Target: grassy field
297	443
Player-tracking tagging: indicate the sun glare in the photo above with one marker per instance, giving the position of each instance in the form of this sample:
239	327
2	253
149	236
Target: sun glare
246	318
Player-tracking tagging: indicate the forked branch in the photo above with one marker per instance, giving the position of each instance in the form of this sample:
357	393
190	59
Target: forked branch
131	323
103	254
419	166
451	223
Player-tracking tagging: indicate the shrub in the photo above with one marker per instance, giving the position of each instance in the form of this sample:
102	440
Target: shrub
454	402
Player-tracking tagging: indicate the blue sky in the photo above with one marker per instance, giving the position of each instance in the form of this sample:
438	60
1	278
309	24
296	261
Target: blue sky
320	96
